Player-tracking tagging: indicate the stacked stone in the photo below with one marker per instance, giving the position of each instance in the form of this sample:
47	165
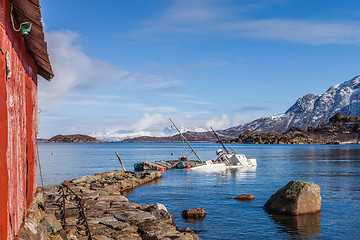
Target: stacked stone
108	214
40	224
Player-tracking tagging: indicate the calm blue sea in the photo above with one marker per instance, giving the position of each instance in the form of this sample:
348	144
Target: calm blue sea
335	168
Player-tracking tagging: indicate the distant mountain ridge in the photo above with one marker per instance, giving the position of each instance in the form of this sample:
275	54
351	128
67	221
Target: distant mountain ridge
189	135
310	110
340	129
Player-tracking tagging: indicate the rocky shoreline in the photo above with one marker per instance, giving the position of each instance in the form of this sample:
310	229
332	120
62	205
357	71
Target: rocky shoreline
340	129
93	207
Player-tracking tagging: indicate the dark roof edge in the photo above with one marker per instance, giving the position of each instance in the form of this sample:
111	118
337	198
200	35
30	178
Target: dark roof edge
24	10
45	74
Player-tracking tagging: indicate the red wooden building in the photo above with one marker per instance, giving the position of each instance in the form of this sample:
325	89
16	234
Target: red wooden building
23	55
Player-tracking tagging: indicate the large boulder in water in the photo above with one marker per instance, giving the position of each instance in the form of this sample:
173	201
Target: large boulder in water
297	197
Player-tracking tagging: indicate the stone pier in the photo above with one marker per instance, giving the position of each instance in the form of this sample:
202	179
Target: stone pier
96	209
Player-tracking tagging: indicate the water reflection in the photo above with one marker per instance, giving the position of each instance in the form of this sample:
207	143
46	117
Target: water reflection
239	170
303	226
332	154
154	182
237	173
335	168
193	221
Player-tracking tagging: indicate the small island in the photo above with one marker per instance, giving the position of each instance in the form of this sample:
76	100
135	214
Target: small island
75	138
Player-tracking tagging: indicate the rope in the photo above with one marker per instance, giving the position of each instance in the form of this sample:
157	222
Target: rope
41	176
53	228
184	146
23	29
231	149
56	235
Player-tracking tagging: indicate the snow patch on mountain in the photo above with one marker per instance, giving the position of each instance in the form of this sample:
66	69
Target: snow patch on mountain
311	110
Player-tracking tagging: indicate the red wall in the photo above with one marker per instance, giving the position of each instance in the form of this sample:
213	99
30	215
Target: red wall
3	149
18	127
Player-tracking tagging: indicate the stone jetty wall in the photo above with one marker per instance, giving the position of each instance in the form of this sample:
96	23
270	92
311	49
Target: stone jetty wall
93	207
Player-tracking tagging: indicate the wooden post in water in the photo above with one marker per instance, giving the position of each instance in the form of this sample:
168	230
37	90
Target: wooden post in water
120	161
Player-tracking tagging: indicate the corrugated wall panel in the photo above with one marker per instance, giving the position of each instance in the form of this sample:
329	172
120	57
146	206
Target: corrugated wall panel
16	155
31	137
4	181
18	128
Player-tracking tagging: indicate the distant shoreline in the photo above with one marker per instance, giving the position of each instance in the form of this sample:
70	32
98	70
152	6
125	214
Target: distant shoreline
340	130
235	143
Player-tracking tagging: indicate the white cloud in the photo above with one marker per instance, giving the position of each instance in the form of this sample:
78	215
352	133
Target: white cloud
224	121
198	102
309	32
121	127
148	82
148	125
82	83
192	11
217	18
72	67
150	121
218	122
241	119
75	70
113	102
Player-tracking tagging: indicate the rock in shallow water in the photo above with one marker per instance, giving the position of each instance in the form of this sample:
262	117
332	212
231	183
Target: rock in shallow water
196	213
245	197
297	197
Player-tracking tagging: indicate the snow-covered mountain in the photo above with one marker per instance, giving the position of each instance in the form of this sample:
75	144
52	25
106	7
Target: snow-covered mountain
119	135
310	110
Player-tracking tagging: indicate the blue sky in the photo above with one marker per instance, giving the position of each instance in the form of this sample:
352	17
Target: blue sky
122	68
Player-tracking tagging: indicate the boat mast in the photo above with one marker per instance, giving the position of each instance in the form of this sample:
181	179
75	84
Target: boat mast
219	140
185	139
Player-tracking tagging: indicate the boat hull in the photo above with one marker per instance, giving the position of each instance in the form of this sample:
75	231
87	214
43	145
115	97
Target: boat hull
210	167
225	161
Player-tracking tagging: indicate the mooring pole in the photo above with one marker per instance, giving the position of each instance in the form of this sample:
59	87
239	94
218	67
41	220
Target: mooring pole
185	140
219	140
120	161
